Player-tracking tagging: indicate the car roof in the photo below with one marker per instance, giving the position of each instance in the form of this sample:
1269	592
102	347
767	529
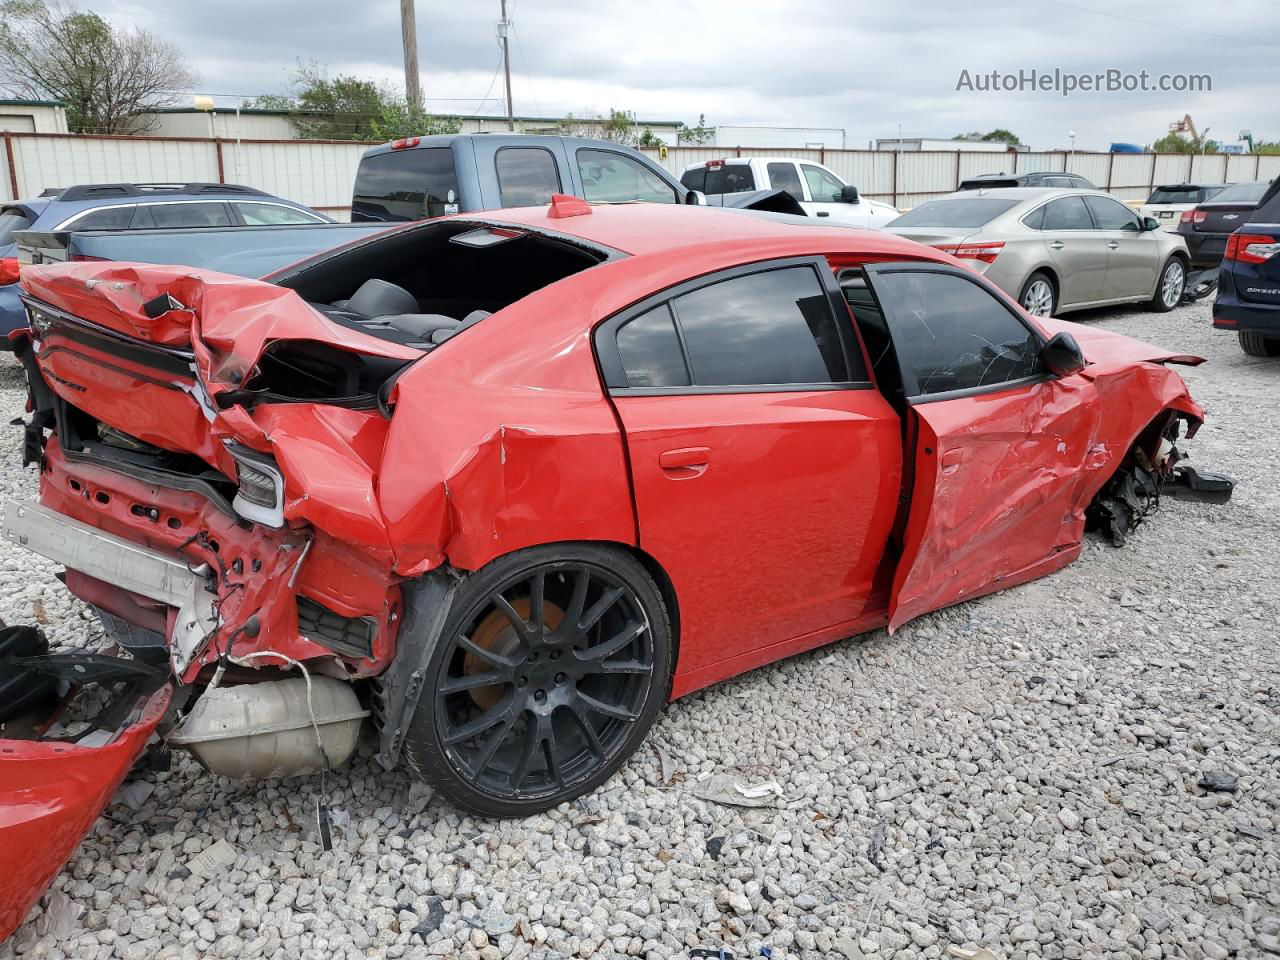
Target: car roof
107	196
1023	194
651	228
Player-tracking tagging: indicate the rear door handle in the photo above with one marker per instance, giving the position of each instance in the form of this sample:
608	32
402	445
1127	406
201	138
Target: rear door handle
1056	244
684	458
1112	244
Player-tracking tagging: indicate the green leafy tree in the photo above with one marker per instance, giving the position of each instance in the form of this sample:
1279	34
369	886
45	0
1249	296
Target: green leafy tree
346	107
998	135
1267	146
696	135
1177	143
106	77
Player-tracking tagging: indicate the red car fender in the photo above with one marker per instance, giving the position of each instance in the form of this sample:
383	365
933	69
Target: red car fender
50	794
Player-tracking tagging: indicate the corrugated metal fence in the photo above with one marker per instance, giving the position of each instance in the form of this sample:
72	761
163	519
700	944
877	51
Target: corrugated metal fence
320	173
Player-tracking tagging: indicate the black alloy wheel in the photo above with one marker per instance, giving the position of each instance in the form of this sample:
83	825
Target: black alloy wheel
547	677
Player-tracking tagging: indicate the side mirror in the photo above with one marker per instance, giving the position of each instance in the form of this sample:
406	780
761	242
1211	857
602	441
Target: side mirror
849	194
695	198
1150	223
1062	355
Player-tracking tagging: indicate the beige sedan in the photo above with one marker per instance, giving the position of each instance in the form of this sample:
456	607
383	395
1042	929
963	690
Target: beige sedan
1055	250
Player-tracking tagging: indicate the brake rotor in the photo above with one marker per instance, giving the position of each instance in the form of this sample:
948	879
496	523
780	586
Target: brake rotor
497	634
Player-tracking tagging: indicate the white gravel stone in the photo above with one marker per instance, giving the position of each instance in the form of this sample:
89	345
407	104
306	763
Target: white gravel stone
1018	773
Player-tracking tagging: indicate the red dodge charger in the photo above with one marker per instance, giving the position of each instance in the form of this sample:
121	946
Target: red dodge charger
509	482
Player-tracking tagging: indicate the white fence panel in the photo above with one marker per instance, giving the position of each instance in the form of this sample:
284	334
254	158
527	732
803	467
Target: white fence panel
1268	167
1172	168
321	175
926	173
1034	162
973	163
1208	168
871	171
1094	167
1241	168
62	161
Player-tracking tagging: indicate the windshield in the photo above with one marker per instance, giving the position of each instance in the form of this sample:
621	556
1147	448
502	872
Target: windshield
954	213
1242	193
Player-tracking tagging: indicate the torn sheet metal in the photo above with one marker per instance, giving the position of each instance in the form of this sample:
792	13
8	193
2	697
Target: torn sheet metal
50	794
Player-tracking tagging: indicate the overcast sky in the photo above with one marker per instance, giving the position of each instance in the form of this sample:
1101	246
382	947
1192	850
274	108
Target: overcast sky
867	66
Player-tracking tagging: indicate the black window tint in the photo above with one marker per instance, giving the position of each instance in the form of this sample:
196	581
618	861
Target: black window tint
730	178
695	179
172	215
1035	219
1112	214
953	335
650	350
11	220
609	177
405	185
774	327
108	218
527	176
961	212
783	176
1067	213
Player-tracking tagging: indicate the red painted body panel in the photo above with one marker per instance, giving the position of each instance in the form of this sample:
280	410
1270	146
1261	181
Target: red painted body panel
775	530
50	794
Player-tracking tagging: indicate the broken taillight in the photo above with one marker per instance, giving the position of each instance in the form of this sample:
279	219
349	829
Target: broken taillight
1251	248
986	252
8	271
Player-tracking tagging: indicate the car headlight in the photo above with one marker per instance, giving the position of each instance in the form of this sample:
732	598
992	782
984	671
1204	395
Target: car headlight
260	490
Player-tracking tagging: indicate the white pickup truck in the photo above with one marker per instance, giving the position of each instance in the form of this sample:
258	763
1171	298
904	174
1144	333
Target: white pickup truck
818	190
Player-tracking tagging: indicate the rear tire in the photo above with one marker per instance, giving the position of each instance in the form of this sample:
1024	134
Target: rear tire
547	676
1257	345
1039	296
1170	286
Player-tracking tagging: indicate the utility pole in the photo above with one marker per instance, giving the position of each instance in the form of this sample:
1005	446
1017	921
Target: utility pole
409	35
504	27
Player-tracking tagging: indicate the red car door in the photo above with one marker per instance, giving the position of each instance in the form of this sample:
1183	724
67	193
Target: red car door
1000	449
766	469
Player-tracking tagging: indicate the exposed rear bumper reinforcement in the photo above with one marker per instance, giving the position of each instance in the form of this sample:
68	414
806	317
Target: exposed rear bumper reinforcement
149	573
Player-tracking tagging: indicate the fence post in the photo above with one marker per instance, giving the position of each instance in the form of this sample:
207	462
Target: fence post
217	149
957	186
9	161
896	154
1151	183
1257	166
1111	166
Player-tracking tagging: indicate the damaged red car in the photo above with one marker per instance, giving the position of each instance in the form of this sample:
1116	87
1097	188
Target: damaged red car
507	483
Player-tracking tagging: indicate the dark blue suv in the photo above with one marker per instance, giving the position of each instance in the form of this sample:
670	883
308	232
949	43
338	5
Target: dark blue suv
133	206
1249	280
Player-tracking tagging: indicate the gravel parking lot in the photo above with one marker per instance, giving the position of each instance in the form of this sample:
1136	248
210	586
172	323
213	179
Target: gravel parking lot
1086	766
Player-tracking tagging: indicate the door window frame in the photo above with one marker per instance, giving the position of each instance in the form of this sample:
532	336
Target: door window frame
555	167
614	375
910	386
676	194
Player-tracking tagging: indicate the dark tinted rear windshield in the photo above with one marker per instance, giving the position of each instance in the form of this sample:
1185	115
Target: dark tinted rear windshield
989	184
11	219
406	185
954	213
1176	195
1241	193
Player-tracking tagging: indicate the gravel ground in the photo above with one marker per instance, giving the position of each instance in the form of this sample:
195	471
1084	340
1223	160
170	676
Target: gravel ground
1021	773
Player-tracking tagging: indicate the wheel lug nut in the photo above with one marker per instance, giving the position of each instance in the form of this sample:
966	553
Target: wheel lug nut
521	682
539	695
555	654
560	678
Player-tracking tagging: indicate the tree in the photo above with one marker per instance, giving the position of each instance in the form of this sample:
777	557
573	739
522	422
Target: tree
106	77
1177	143
998	135
696	135
346	107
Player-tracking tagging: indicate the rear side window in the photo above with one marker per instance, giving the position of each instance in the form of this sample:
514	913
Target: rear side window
1112	214
171	215
695	179
650	350
730	178
783	176
405	185
609	177
108	218
773	327
11	220
1067	213
527	176
951	334
272	214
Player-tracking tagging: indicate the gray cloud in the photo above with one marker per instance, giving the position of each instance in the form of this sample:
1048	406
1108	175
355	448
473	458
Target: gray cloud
867	67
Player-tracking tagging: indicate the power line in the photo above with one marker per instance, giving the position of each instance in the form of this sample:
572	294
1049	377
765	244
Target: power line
1146	23
528	74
